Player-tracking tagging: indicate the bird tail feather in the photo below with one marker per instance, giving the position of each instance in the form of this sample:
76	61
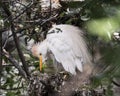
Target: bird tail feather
69	66
79	65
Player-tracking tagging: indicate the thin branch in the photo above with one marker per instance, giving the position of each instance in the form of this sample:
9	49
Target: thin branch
7	37
115	83
20	3
8	65
16	39
12	19
49	19
38	21
3	30
0	50
13	61
19	50
28	6
0	55
50	7
3	88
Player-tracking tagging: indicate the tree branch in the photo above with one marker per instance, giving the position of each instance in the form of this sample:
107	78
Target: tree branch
11	89
15	38
0	55
13	61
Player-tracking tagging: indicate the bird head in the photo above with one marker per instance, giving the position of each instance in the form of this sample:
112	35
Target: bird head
39	50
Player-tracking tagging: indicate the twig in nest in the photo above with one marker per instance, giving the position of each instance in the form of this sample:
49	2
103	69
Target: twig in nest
45	85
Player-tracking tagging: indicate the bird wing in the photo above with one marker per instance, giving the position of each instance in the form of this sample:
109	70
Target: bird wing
68	47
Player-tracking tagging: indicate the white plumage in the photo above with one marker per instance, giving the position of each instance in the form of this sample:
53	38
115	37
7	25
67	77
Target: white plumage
68	46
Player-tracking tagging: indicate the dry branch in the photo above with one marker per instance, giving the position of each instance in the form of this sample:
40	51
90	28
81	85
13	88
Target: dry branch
6	10
0	55
15	63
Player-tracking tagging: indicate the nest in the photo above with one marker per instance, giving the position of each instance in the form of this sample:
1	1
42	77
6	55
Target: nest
53	85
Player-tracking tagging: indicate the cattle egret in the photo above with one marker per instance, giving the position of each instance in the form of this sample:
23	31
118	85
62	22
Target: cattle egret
68	46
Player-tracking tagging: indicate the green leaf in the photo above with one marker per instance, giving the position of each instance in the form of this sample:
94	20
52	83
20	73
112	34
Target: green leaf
10	93
103	27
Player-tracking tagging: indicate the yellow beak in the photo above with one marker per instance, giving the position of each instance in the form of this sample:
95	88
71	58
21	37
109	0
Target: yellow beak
40	62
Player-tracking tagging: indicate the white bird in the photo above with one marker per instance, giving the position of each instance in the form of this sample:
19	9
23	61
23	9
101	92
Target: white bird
67	44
